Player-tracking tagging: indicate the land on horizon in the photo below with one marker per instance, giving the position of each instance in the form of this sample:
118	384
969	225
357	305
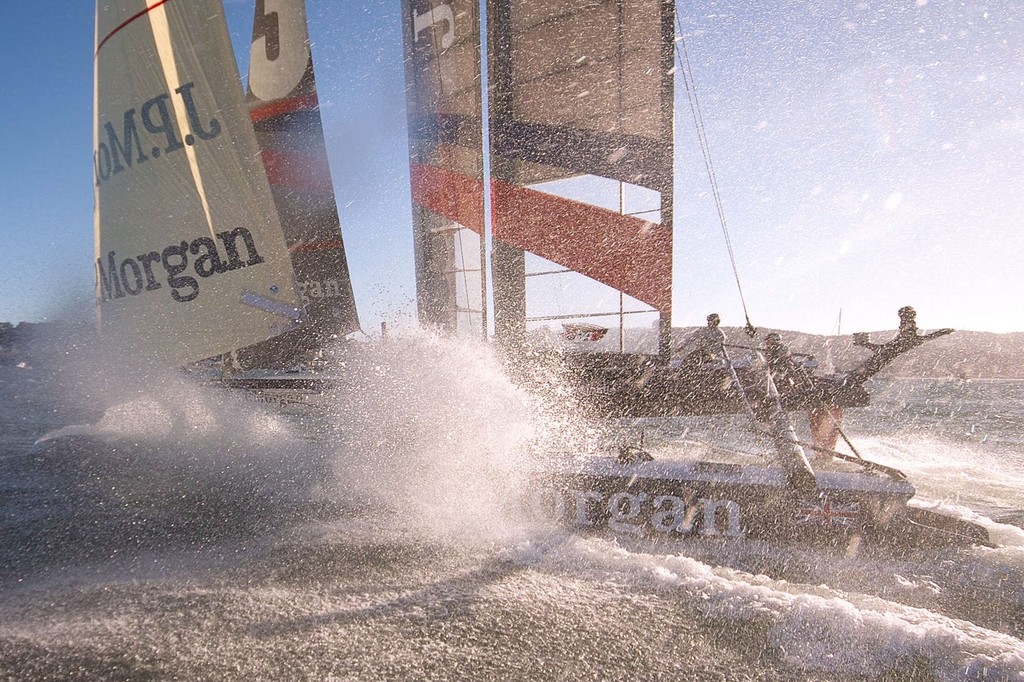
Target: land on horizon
962	354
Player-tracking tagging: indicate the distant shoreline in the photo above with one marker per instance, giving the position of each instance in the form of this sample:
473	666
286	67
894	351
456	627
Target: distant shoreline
961	355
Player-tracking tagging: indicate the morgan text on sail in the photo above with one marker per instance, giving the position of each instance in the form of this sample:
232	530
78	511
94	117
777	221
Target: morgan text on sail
132	276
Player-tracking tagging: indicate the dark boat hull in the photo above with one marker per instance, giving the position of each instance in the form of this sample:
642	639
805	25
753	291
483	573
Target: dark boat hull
624	385
680	500
676	501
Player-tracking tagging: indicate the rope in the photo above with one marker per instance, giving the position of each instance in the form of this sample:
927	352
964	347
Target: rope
698	120
868	465
739	387
683	58
820	404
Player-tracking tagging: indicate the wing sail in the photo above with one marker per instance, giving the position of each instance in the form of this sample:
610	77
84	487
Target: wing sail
444	100
580	88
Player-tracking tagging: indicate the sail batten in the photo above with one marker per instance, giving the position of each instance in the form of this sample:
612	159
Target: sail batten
622	251
628	158
289	105
451	195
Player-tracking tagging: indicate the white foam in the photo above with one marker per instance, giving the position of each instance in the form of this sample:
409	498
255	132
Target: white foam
954	473
812	627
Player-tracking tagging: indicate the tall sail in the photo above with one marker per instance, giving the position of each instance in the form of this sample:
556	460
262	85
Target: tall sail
580	87
443	91
190	258
285	114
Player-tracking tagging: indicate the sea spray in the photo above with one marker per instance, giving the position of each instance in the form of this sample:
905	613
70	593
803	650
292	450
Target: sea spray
324	601
173	415
423	431
434	429
158	455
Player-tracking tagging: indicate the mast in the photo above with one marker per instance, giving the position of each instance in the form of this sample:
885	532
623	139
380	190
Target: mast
444	105
667	134
508	262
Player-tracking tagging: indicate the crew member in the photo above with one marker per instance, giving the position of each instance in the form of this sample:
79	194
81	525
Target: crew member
908	324
777	354
906	338
704	345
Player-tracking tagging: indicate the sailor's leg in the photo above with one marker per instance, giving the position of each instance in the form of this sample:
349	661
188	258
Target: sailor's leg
825	424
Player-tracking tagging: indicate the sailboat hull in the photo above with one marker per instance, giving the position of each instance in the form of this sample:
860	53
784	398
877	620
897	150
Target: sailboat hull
679	501
618	385
684	500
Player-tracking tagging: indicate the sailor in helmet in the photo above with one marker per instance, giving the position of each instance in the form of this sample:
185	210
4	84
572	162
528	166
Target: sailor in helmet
908	335
908	324
705	345
786	369
776	353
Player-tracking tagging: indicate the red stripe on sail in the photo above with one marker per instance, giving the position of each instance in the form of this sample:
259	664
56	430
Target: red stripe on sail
129	20
306	247
455	196
624	252
298	171
284	106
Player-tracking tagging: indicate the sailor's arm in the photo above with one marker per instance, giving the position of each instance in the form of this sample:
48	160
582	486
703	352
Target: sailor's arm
688	344
861	339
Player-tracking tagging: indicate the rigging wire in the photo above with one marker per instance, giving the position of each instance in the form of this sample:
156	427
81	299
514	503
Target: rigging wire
698	120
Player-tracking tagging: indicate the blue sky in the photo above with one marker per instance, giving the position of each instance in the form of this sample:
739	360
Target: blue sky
869	155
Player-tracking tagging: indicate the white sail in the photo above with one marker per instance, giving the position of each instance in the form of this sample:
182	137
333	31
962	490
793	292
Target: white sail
191	261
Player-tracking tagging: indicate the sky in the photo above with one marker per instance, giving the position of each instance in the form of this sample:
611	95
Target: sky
868	155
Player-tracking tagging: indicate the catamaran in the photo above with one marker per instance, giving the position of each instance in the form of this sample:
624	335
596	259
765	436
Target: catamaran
582	95
217	236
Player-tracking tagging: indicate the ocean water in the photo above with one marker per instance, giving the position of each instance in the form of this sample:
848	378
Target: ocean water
155	528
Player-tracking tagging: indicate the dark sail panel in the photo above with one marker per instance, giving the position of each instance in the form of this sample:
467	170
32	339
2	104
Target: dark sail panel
285	114
580	87
584	83
443	92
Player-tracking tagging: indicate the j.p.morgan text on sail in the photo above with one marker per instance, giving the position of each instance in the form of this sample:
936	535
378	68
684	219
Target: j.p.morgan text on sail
119	276
119	153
